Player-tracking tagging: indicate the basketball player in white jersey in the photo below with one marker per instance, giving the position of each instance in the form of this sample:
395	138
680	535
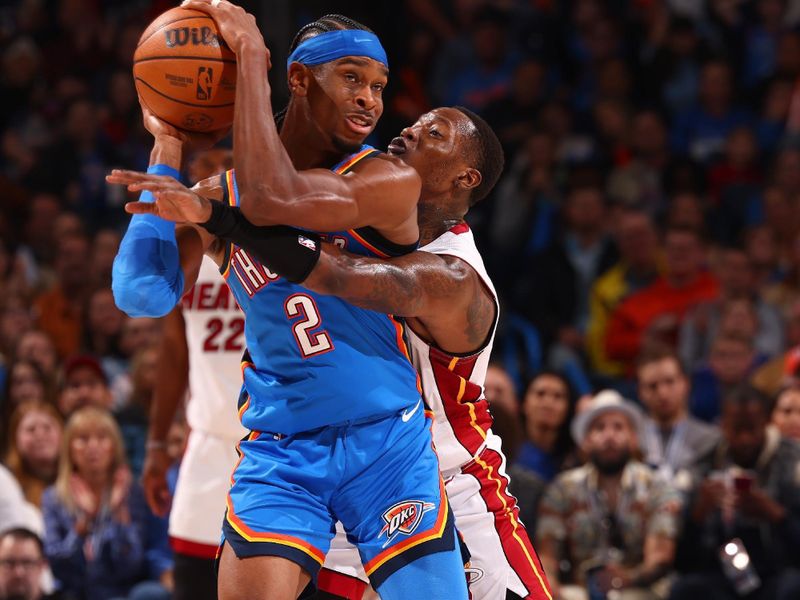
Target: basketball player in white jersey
203	341
451	310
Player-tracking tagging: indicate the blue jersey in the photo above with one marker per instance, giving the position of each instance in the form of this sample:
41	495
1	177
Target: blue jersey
314	360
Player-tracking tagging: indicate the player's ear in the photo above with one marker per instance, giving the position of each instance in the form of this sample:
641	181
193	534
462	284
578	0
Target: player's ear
299	77
469	179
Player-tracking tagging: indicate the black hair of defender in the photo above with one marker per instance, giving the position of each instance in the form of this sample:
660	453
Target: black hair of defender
488	155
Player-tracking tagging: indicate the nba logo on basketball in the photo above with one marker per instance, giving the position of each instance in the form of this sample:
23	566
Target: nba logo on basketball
205	75
404	517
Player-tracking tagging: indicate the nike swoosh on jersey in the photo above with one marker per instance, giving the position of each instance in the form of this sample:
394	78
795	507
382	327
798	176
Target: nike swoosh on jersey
407	415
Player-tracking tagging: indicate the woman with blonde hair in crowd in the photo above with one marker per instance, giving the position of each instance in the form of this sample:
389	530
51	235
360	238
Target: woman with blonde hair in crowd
34	436
95	515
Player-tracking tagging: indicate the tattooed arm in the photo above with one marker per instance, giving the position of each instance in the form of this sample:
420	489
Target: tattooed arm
443	298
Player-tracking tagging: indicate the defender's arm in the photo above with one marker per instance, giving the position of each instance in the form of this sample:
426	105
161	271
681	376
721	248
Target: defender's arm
443	292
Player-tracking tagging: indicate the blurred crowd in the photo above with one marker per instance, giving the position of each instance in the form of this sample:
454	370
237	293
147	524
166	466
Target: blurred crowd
644	239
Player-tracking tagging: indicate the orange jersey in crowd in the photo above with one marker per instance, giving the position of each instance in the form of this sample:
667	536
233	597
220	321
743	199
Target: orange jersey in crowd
635	314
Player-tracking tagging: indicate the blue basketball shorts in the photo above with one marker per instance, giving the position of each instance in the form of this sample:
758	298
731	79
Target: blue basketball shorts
379	478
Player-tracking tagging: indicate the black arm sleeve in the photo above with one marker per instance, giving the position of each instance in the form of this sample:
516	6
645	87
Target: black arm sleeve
289	252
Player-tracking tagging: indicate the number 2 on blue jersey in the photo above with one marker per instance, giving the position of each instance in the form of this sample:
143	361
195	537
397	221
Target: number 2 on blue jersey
310	342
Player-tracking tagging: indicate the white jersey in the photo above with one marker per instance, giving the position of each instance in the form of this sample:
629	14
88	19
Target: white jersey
215	335
453	385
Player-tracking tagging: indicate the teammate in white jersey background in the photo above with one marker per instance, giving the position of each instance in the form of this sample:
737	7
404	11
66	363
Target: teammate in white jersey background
202	346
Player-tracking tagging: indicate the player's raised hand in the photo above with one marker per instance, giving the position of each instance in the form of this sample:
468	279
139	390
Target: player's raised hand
173	200
190	140
237	26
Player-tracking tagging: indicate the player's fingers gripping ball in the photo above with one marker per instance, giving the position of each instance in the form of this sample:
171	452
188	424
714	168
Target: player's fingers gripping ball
184	72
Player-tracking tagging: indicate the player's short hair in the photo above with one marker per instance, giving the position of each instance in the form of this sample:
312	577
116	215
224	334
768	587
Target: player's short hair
487	153
331	22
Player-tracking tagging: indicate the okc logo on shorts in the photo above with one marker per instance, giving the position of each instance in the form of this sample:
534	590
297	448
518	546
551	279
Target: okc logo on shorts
404	517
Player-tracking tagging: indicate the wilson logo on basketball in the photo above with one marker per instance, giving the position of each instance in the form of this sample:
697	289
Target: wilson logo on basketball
404	517
198	36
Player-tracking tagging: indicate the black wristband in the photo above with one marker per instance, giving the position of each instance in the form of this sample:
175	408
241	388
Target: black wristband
289	252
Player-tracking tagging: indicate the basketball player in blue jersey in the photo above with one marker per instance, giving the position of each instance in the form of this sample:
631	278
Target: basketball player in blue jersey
451	308
331	399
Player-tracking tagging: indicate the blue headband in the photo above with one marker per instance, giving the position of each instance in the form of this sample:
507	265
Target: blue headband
333	45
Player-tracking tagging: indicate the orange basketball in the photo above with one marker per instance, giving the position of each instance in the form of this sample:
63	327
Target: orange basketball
184	72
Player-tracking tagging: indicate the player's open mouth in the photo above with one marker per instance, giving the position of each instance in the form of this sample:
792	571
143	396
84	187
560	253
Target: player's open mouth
360	124
397	146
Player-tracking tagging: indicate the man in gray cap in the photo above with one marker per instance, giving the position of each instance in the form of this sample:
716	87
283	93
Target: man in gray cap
609	527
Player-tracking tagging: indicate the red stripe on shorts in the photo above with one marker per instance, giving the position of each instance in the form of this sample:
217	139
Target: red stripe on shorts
514	539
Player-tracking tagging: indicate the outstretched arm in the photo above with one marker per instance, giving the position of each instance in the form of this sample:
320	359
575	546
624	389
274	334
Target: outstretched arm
156	260
382	194
443	292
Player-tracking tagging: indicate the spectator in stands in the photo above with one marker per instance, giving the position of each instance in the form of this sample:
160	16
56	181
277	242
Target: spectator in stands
686	210
499	389
771	377
733	182
761	41
654	314
731	361
15	319
132	417
35	444
95	515
786	291
613	522
700	132
672	441
489	75
60	309
513	117
554	293
104	249
750	491
525	209
737	283
612	123
84	384
547	410
786	413
761	248
103	325
671	66
25	382
76	162
138	334
639	182
774	112
785	176
637	268
38	347
525	485
22	565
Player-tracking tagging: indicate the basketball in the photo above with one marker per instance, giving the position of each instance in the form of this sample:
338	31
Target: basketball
184	72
